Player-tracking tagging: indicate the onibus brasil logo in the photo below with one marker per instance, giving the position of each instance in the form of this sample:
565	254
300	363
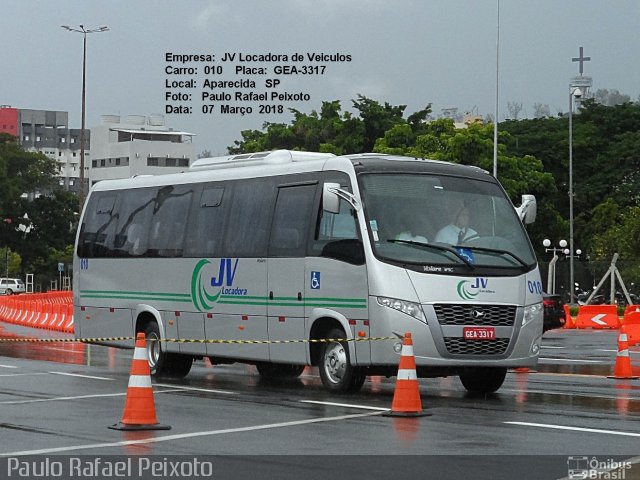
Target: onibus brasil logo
203	285
468	290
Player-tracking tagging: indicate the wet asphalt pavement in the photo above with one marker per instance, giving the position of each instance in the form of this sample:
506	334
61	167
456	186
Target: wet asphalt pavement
59	398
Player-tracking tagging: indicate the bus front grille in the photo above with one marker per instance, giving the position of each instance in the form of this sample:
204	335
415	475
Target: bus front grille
460	346
475	315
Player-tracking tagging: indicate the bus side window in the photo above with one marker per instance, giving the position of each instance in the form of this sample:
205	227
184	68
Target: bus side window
206	223
337	235
338	226
98	227
246	233
290	226
135	208
167	223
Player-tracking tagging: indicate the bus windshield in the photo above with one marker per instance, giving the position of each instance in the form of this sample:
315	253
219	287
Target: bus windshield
443	220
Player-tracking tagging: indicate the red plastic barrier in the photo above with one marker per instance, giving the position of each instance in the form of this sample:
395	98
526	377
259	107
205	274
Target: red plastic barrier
598	317
633	334
631	315
39	310
68	326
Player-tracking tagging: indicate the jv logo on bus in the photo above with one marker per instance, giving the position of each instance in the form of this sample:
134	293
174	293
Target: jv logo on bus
469	292
225	268
480	283
200	296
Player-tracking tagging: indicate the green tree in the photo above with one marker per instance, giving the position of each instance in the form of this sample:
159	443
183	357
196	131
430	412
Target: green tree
618	232
50	219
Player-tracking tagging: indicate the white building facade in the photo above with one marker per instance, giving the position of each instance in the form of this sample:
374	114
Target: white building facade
137	145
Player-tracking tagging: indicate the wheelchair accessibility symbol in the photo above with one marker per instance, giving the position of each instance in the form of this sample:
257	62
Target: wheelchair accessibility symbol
315	280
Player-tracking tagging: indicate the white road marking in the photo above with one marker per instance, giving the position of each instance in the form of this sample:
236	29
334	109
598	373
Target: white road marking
572	360
79	397
8	366
616	351
564	394
65	350
21	374
575	429
81	376
169	438
332	404
195	389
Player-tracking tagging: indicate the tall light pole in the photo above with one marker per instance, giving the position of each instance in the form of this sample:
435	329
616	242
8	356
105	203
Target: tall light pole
573	92
495	113
84	31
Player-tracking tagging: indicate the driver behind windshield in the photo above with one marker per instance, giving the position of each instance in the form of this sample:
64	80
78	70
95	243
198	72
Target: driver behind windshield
459	230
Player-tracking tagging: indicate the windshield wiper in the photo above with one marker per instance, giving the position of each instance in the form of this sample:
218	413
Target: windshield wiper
442	248
500	252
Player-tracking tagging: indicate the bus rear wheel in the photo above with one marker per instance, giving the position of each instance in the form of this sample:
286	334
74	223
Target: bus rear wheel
336	372
483	380
162	363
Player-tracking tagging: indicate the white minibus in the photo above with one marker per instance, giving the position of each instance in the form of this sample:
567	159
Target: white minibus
255	256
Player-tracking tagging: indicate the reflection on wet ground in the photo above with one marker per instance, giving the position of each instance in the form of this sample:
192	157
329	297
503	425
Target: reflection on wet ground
63	352
572	374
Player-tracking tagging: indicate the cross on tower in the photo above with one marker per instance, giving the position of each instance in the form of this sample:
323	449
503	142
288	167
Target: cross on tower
581	59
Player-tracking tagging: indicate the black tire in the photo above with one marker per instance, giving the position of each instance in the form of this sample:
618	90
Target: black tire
179	365
162	363
336	372
279	370
8	291
483	380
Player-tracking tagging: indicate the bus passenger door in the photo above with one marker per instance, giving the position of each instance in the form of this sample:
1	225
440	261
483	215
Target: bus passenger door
287	247
336	276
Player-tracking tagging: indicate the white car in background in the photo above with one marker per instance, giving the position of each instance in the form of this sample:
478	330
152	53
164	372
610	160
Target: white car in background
9	286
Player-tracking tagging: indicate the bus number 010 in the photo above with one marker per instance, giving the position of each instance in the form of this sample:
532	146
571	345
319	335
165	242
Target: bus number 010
213	69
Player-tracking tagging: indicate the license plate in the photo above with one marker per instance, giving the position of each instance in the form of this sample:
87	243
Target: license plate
479	333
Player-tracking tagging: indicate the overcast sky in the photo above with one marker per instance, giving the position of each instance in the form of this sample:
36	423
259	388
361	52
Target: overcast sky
411	52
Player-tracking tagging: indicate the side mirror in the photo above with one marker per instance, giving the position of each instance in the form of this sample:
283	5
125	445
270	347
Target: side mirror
528	209
330	198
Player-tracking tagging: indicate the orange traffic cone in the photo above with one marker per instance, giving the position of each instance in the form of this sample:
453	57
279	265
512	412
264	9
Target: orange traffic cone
139	409
406	397
569	322
623	369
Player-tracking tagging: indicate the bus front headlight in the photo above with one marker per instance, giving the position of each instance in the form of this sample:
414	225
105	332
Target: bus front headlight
410	308
533	313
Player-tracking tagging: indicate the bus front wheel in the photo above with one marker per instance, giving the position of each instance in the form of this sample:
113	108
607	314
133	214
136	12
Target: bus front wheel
483	380
162	363
336	372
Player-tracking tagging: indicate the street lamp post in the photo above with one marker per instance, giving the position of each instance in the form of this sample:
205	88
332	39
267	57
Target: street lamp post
577	93
495	113
84	32
551	274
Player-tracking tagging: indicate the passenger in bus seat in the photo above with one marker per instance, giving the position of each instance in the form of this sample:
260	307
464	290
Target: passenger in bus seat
134	239
459	230
408	232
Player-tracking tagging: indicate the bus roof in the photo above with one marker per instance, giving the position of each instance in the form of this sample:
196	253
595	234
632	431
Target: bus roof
275	157
279	162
